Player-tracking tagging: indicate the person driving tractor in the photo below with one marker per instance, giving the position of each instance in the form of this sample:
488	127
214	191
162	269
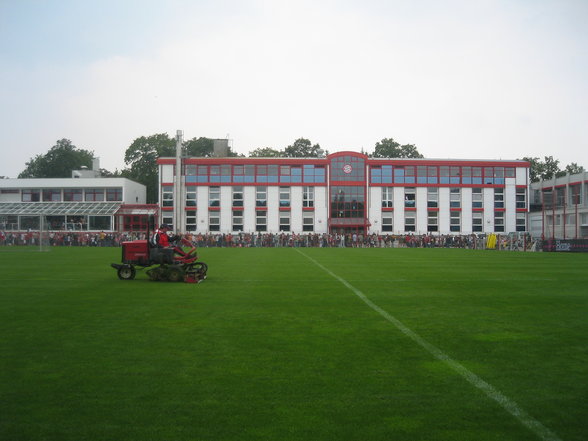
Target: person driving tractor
160	239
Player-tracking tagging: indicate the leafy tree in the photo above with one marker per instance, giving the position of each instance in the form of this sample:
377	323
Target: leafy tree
388	148
58	162
201	147
573	168
542	169
265	152
303	148
141	158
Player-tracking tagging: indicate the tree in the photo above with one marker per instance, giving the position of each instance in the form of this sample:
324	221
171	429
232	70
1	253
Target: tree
141	157
58	162
546	169
265	152
201	147
388	148
573	168
303	148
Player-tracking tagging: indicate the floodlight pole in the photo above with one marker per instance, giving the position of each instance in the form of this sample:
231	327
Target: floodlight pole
178	183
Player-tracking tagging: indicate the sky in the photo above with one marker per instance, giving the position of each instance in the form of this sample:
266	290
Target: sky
464	79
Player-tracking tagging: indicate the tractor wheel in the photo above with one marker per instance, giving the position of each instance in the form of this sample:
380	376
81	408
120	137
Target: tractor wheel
201	268
175	274
154	274
126	273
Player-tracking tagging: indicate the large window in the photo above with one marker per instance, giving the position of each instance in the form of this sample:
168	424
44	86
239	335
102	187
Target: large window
347	202
455	198
94	195
284	197
455	221
191	197
521	198
409	197
114	194
214	197
308	221
432	197
51	195
237	196
214	220
101	223
477	222
499	221
521	221
409	221
167	196
308	197
261	197
477	198
191	224
347	168
260	220
73	195
237	220
31	195
499	198
387	197
387	222
284	221
432	221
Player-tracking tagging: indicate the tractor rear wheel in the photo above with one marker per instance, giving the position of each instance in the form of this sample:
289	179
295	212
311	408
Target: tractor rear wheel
175	274
126	273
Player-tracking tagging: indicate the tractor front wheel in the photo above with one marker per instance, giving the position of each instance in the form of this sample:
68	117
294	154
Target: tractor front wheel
126	273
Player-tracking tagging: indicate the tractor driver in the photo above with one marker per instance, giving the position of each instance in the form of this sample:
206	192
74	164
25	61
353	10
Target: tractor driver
160	238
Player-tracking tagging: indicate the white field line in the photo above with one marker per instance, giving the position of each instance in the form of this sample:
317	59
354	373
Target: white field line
507	404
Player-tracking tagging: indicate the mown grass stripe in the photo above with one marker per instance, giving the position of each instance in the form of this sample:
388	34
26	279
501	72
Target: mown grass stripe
506	403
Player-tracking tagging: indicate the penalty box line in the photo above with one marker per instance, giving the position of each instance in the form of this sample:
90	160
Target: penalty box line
490	391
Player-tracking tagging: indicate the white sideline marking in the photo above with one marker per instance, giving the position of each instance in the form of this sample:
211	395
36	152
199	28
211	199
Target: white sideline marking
507	404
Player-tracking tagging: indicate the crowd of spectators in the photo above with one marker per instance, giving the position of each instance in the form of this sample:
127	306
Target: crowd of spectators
102	239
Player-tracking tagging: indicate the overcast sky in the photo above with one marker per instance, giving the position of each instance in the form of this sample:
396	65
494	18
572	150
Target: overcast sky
467	79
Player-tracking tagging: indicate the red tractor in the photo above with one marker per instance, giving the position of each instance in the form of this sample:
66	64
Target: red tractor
173	264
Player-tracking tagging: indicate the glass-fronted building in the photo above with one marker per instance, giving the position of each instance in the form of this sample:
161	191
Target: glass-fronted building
342	193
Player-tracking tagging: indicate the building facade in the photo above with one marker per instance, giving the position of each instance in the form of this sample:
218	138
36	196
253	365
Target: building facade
559	207
72	204
343	193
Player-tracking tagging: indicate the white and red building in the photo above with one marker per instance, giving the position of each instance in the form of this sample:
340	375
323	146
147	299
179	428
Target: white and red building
344	192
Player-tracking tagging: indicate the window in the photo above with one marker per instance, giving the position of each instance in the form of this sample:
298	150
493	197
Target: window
409	221
261	197
191	220
347	168
100	223
432	221
499	221
521	198
285	197
214	197
114	194
285	221
31	195
308	197
477	198
348	202
237	197
167	196
455	198
237	220
477	222
455	221
574	194
432	198
94	195
387	197
409	197
73	195
190	197
308	221
167	218
387	222
499	198
521	222
214	221
51	195
260	220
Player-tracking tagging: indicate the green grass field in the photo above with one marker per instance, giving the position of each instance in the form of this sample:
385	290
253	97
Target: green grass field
278	344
